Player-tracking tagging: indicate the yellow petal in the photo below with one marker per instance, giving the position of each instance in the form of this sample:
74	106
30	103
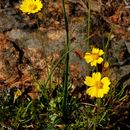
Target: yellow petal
91	91
87	53
95	50
105	89
88	58
106	81
100	94
96	76
100	60
38	1
89	81
94	63
101	52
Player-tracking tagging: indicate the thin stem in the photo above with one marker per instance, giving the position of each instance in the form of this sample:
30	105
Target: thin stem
98	103
109	37
89	18
66	73
37	22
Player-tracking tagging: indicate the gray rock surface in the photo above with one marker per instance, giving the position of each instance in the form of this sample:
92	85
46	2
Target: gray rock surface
8	19
31	49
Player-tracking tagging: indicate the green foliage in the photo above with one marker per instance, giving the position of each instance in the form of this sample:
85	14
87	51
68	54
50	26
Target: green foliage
45	112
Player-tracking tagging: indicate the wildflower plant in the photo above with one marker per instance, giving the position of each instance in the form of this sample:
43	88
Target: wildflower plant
31	6
98	86
94	57
98	83
56	106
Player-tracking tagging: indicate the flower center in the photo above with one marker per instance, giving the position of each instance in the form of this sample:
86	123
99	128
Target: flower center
32	6
99	85
95	56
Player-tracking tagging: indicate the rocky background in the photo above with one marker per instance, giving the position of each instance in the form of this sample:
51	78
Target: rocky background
27	43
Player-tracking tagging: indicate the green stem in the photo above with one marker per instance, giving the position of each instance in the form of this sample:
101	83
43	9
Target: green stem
98	103
89	19
109	37
95	123
37	21
66	73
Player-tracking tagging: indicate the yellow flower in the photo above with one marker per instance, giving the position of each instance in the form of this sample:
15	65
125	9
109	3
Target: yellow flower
31	6
17	94
94	57
98	87
106	64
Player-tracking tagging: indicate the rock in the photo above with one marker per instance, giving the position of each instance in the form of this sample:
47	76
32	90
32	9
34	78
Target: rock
31	51
124	74
119	51
39	48
8	20
7	52
24	39
127	43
